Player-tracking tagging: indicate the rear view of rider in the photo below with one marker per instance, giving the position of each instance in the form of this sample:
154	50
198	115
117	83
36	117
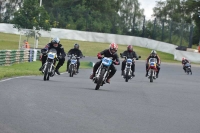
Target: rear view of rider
55	43
153	55
184	61
129	53
111	52
76	52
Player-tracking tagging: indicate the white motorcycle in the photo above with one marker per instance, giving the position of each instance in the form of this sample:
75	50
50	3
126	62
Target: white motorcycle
49	66
152	66
127	71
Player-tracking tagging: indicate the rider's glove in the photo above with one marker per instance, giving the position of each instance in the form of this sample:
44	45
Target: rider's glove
60	57
116	63
99	56
136	58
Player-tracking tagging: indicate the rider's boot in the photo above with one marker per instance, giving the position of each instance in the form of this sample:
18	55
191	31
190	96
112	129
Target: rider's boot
133	74
56	70
93	74
146	73
157	74
40	69
108	78
122	73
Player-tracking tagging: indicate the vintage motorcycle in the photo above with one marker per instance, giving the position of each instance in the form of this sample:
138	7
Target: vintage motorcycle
127	75
102	72
188	68
73	65
152	66
49	66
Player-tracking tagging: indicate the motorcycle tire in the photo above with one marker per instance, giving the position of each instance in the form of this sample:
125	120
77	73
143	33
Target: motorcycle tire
100	80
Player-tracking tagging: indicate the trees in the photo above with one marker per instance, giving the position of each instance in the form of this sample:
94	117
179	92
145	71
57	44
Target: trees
31	15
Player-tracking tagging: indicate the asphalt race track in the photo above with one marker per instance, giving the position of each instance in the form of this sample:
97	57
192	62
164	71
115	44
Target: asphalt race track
171	104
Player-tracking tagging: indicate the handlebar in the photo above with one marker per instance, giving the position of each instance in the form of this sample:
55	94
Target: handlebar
76	56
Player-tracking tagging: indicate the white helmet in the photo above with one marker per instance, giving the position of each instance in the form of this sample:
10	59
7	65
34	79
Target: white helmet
55	40
153	53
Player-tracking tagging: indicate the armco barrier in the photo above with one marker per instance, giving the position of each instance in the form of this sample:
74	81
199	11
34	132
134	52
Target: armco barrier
9	57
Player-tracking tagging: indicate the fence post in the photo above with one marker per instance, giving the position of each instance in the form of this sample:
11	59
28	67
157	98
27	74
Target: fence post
143	28
162	30
181	34
154	25
170	32
190	37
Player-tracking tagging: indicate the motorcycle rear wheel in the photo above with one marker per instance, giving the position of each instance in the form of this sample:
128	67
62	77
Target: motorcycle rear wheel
151	76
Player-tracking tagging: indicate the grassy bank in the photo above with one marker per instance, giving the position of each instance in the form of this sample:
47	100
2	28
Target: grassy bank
27	68
11	41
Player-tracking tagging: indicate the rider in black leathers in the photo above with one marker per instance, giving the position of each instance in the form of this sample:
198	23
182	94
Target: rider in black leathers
184	61
55	43
129	53
111	52
76	52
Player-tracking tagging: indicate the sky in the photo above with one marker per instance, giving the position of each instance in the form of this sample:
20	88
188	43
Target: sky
148	6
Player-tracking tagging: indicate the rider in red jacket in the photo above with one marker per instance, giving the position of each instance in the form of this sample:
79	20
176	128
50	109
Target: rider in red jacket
153	55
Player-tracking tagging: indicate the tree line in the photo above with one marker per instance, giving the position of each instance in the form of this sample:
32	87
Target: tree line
125	17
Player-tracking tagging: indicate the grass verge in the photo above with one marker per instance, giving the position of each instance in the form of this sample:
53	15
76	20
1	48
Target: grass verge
11	41
29	68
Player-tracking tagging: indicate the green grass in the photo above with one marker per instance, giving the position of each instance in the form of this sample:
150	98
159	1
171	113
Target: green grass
29	68
11	41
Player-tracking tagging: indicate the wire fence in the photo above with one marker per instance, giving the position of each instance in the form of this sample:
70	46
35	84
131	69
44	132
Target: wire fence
179	34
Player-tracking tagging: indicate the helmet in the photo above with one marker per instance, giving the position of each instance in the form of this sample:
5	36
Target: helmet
55	41
130	48
183	58
153	53
113	48
76	46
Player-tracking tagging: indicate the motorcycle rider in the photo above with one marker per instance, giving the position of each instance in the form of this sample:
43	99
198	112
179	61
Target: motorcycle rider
184	61
76	52
55	43
111	52
129	53
153	55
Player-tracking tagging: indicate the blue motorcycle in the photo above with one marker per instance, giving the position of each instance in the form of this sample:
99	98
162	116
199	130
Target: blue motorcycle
102	72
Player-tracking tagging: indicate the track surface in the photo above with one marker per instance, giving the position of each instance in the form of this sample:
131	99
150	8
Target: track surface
171	104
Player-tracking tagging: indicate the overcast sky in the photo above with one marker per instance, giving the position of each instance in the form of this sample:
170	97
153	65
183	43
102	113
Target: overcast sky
148	6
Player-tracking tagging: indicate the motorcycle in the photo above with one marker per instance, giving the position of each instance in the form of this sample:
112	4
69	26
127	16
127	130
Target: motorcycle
102	72
73	65
152	69
188	68
49	66
127	75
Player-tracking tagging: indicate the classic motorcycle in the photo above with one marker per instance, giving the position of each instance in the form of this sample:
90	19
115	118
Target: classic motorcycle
127	75
102	72
152	66
188	68
49	66
73	65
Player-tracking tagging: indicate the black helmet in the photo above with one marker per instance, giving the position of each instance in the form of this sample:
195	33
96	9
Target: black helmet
76	46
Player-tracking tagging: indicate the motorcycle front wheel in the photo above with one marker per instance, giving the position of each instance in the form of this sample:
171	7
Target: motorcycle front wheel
46	72
71	70
100	80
